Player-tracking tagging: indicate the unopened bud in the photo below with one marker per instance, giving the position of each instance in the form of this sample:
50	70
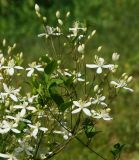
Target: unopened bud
37	8
81	48
129	79
68	14
89	37
9	50
14	45
99	48
82	57
44	19
60	22
21	55
58	14
59	61
124	74
108	109
96	88
93	33
115	56
4	42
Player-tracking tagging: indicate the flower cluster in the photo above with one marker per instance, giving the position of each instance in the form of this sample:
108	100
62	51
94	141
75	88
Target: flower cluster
60	96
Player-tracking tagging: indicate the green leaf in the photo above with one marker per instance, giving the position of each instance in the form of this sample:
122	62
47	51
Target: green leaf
57	98
89	128
50	67
117	149
65	106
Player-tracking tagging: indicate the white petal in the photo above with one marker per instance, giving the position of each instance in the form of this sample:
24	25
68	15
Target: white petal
35	132
129	89
76	103
87	111
99	70
5	87
102	98
17	107
91	65
11	71
13	97
30	72
15	130
114	83
103	104
76	110
97	116
87	104
43	129
40	69
4	155
58	132
18	67
23	112
94	101
108	66
31	108
107	118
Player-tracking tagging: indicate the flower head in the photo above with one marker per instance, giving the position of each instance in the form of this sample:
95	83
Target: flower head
82	106
99	65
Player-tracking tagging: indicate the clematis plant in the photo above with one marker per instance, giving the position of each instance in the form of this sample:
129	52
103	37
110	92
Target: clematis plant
62	101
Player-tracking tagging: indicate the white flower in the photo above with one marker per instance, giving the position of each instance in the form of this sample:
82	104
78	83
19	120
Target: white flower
18	118
8	156
101	114
121	84
11	66
36	129
31	98
99	65
78	77
34	67
24	107
24	147
11	92
99	100
50	32
75	29
82	106
9	126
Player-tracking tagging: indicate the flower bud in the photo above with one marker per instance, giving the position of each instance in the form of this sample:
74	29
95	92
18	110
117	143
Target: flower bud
44	19
129	79
21	55
68	14
99	48
96	88
9	50
108	109
115	56
60	22
37	8
4	42
81	48
14	45
93	33
57	14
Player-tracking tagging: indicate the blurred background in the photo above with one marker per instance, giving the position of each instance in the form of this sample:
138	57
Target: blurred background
117	25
